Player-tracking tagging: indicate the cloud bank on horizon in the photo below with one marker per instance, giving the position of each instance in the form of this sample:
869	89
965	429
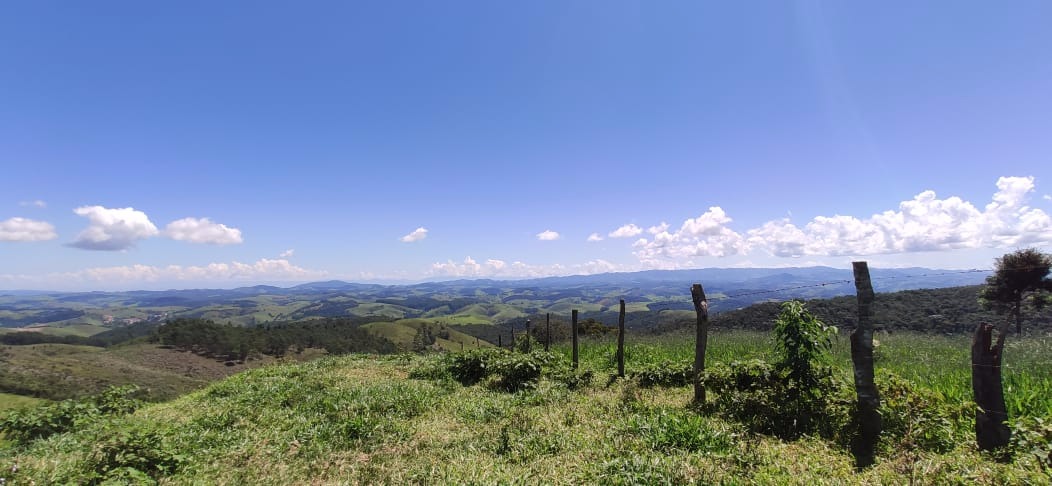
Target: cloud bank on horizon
924	223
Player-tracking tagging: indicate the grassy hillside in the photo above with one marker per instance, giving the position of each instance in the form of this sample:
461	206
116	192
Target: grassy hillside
58	371
396	420
407	333
9	401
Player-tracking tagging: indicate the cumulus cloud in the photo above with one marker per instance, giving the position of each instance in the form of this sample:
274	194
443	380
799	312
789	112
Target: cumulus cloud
22	229
626	231
202	230
706	235
548	235
37	203
594	237
415	235
127	276
921	224
661	228
1047	197
113	229
287	253
491	268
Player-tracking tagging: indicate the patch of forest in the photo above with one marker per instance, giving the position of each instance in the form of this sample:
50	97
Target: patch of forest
954	310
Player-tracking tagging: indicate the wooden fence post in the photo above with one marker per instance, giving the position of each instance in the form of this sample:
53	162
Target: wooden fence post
500	340
864	445
548	326
991	431
573	325
528	336
621	341
701	340
513	337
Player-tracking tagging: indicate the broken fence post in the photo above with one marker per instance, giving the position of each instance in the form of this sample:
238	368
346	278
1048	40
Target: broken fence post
869	422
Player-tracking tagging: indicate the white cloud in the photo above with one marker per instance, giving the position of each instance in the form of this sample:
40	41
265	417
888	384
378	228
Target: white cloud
922	224
287	253
112	229
22	229
548	235
594	237
202	230
133	276
706	235
626	231
1047	197
416	235
661	228
35	203
470	268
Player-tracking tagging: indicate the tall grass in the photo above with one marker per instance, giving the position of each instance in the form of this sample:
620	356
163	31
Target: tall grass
941	364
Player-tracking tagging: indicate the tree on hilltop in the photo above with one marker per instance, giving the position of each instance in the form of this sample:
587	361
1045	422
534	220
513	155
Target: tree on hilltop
1019	278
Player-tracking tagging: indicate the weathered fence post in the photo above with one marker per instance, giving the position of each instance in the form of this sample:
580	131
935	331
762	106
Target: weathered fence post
701	340
548	326
864	445
528	336
500	340
462	345
573	332
513	337
991	431
477	343
621	341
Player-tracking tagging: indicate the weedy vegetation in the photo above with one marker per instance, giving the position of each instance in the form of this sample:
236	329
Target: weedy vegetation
488	415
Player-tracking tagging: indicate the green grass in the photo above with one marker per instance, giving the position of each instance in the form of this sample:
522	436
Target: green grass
402	332
360	420
60	371
9	401
938	363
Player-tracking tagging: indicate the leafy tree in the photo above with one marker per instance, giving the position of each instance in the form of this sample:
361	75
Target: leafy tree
1019	277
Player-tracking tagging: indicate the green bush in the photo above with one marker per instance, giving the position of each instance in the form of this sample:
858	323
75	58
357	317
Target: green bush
130	454
515	371
793	397
668	374
470	367
1032	436
916	418
761	397
22	426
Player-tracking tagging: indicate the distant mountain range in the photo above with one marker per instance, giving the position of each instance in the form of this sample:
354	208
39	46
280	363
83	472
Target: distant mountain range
480	301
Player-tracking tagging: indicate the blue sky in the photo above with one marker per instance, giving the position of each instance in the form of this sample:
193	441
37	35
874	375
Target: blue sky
152	145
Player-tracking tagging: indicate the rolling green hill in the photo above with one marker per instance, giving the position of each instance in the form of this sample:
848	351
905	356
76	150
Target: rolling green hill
364	420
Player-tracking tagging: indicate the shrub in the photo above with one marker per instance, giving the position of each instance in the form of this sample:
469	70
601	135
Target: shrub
760	396
472	366
130	453
667	374
1032	436
520	371
795	396
26	425
916	418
